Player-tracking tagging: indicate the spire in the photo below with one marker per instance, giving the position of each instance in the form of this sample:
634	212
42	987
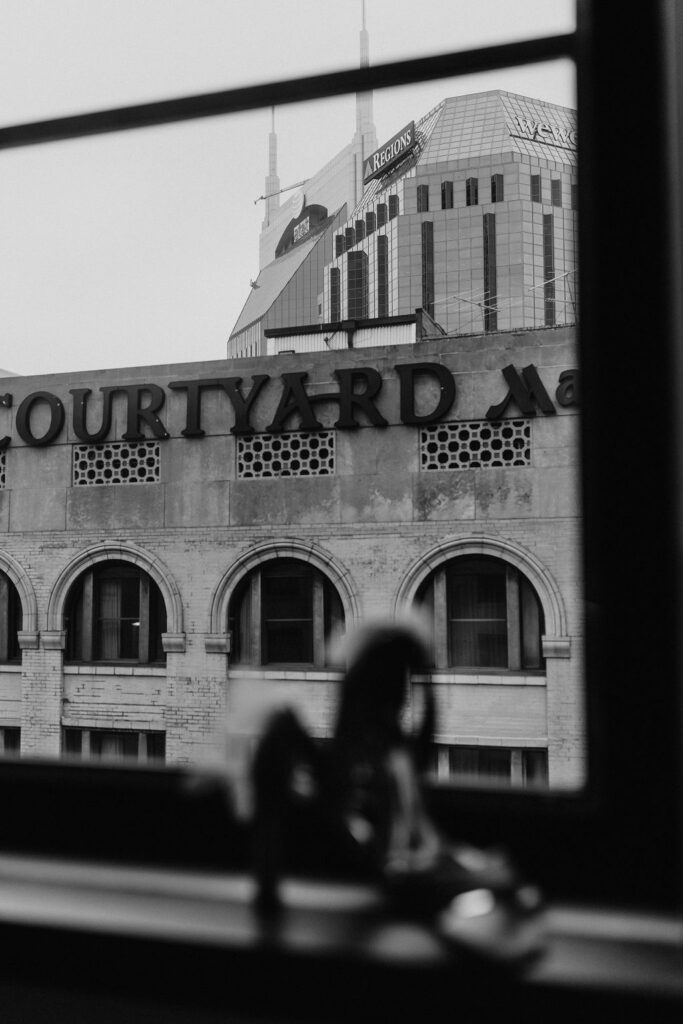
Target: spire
364	99
272	181
366	135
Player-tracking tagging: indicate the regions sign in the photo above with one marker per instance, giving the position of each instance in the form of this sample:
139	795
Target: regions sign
390	153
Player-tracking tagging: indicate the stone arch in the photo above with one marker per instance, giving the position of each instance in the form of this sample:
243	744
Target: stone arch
29	605
286	548
120	552
556	641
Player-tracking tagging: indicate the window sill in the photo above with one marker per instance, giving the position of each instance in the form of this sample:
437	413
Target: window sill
271	672
51	910
114	670
483	677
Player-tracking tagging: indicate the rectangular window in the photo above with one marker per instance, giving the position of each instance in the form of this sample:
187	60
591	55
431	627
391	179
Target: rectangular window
350	238
113	745
287	615
428	267
548	269
490	279
393	207
472	191
10	740
556	192
422	198
535	188
497	192
382	275
446	195
370	222
505	766
381	214
11	619
360	230
339	245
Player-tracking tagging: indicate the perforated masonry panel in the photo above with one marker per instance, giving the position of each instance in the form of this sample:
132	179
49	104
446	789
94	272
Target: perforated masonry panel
276	455
3	464
120	462
474	444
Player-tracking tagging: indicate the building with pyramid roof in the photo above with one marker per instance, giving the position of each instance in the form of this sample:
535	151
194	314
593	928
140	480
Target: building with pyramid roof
468	214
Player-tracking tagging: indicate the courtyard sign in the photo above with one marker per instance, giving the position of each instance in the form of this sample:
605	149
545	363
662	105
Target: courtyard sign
41	415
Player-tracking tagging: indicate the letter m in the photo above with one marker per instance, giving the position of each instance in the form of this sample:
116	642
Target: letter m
526	390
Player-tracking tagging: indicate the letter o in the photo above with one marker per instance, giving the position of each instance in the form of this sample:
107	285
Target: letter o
24	418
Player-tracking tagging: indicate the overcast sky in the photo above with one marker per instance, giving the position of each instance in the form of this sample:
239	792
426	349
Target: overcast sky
137	248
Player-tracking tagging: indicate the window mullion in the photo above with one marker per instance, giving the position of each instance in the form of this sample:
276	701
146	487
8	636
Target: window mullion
513	620
88	618
4	618
257	656
441	622
143	629
318	621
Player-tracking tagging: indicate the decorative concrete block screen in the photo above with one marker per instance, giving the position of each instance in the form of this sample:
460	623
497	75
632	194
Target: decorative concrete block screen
275	455
474	444
120	462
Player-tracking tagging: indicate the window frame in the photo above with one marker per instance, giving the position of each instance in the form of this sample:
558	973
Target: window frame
620	839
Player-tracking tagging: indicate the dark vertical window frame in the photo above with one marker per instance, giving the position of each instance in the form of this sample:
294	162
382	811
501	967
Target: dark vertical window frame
381	215
556	191
535	188
393	206
549	314
490	278
446	195
382	275
357	285
427	232
497	188
422	198
472	192
370	222
335	294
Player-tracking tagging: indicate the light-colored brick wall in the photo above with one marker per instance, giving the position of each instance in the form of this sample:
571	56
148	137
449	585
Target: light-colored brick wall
375	519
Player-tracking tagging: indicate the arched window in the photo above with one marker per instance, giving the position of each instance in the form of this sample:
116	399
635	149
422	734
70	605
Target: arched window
486	615
115	612
283	612
10	621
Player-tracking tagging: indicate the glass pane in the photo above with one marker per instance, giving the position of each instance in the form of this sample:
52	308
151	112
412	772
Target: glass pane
161	279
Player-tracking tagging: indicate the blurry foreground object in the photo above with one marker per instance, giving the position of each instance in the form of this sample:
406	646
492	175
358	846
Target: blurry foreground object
364	788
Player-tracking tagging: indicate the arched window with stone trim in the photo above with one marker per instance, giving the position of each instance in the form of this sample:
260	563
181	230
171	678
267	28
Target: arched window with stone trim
486	615
284	612
11	621
115	613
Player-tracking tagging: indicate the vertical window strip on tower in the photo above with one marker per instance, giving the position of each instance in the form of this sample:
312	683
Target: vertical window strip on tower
490	281
446	195
556	192
422	198
393	207
428	267
548	270
382	275
335	294
357	285
497	190
472	191
535	188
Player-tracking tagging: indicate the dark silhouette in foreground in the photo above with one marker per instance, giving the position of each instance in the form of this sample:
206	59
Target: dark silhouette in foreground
364	788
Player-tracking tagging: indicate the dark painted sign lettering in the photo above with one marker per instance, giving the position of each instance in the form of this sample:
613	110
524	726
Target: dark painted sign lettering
426	394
